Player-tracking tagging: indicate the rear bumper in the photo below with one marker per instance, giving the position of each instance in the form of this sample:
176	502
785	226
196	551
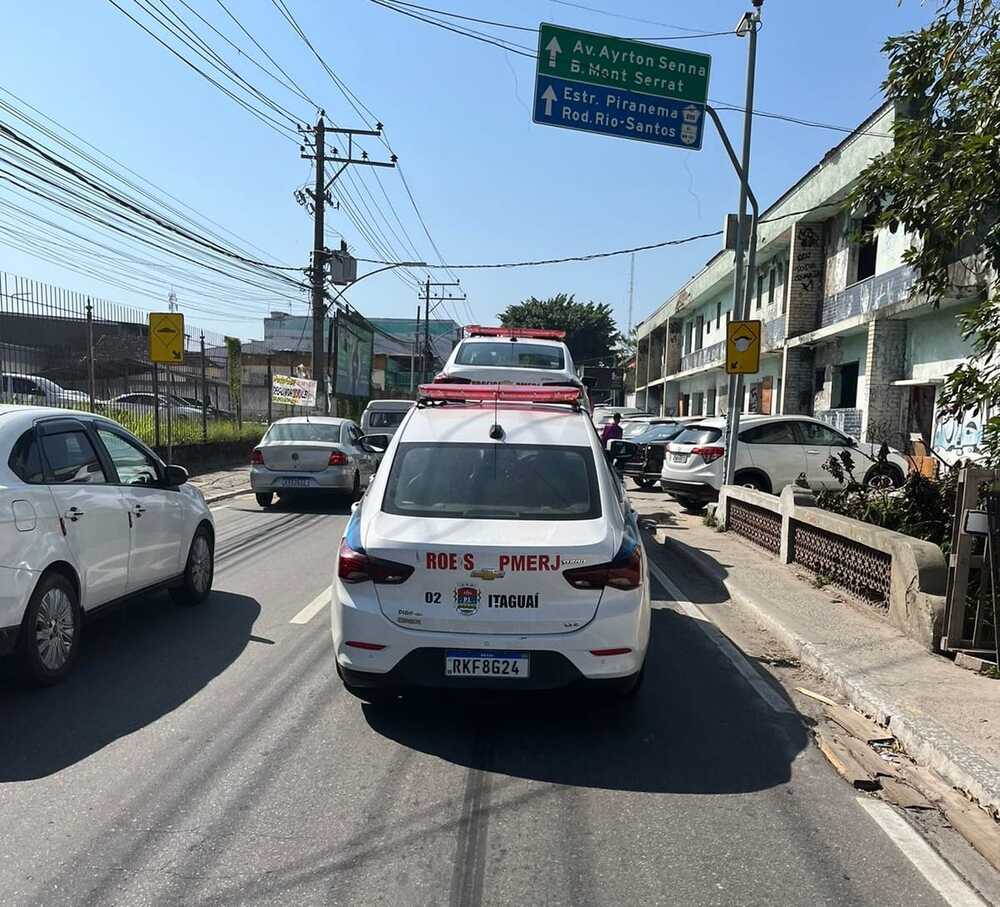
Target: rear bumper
416	657
700	491
336	478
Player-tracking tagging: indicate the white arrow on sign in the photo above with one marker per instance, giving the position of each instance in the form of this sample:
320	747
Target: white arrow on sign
553	47
548	96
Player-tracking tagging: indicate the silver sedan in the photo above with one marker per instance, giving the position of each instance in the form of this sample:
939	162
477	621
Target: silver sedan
310	454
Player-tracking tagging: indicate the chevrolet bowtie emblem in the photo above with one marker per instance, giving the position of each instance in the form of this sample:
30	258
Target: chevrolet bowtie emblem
487	574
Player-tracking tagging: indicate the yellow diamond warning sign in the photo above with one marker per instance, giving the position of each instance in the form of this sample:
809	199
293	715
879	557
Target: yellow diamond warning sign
743	347
166	337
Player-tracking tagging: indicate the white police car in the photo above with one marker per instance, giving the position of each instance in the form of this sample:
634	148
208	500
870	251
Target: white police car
494	548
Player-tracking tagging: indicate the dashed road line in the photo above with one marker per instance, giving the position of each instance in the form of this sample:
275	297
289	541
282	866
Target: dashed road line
738	660
931	866
314	607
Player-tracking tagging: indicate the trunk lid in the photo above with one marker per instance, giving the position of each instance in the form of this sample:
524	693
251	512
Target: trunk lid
297	456
467	579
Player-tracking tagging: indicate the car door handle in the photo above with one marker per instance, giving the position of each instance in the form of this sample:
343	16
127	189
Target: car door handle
812	451
74	513
138	510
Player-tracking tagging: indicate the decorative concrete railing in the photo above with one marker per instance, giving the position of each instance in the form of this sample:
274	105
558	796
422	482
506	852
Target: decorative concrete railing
846	420
706	356
897	576
867	295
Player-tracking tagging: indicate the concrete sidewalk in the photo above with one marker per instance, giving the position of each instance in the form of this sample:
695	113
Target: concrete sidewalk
945	717
223	484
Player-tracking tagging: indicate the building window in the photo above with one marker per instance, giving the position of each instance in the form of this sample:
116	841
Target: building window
819	379
710	406
699	332
688	337
771	281
846	391
760	290
718	315
867	251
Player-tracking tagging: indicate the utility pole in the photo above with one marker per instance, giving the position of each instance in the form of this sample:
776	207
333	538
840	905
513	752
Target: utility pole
204	394
413	352
320	197
427	358
748	26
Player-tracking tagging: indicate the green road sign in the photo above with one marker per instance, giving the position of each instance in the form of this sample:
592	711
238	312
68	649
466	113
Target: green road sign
582	56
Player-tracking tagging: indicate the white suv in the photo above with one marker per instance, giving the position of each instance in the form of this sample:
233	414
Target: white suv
773	452
88	517
494	548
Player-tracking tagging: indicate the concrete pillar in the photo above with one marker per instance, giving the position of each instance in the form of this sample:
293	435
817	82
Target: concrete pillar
882	404
674	347
805	292
797	381
641	364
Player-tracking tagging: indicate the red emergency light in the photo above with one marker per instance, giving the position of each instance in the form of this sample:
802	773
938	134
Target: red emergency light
475	330
491	393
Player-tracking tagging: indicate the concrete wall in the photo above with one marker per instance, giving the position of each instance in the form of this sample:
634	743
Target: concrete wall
934	347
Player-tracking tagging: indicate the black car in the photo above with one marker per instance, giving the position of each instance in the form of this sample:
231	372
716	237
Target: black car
644	467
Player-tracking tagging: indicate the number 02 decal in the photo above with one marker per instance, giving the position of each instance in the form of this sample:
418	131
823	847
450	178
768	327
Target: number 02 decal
432	598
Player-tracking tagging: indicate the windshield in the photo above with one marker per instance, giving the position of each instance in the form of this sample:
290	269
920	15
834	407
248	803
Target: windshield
698	434
385	419
658	433
511	354
493	482
303	431
629	429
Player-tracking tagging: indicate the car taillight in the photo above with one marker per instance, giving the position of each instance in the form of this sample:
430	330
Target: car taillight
355	566
337	459
708	454
624	572
257	457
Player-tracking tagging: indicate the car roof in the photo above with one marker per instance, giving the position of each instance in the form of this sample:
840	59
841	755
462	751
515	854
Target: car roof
532	424
534	341
311	420
390	404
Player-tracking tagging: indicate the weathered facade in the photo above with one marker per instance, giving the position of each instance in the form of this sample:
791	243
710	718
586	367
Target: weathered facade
845	338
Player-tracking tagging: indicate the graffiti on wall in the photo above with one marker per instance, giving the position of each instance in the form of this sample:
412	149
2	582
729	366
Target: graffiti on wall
959	437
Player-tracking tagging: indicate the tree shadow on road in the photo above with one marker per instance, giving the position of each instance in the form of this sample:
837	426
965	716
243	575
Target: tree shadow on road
134	667
695	727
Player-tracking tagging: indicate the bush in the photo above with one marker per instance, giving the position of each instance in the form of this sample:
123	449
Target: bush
922	508
186	431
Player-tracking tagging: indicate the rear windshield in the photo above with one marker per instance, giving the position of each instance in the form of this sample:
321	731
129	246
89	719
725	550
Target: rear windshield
303	431
510	354
699	434
658	433
383	419
493	482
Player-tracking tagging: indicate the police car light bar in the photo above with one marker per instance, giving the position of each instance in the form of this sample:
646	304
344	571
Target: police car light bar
475	330
481	393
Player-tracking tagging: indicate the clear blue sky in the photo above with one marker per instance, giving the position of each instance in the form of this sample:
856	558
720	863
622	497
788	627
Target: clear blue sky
491	185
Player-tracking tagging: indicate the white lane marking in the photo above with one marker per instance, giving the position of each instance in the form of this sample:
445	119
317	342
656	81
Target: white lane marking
738	660
932	867
314	607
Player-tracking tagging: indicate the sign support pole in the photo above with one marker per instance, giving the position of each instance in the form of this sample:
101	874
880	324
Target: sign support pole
750	23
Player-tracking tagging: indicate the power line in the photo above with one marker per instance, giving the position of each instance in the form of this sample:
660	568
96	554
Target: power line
605	12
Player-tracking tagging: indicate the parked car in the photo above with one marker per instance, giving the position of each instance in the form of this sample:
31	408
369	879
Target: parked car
384	416
773	452
145	404
471	563
33	390
638	425
511	356
89	516
645	464
602	415
309	455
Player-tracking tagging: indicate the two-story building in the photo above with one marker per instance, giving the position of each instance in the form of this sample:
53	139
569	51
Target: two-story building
844	337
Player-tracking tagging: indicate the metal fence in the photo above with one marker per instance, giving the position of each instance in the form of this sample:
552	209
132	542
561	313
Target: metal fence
756	524
863	572
66	349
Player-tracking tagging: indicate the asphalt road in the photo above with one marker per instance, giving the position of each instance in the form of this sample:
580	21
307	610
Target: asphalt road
208	755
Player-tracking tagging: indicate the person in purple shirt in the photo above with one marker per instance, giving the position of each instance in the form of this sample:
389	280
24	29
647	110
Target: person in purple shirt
612	431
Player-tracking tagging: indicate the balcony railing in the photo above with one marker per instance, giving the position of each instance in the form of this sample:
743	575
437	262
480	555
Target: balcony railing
846	420
867	295
706	356
774	333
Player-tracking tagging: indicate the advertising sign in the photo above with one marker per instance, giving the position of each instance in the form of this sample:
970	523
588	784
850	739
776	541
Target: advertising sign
289	391
354	359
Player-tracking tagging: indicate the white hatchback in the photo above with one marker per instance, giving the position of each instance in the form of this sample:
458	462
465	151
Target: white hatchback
89	516
495	548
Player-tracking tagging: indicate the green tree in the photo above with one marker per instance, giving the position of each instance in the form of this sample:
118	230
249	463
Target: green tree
941	181
591	333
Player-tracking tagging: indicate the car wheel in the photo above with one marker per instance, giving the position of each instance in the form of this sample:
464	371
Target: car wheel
199	571
264	498
646	484
691	505
883	477
50	632
752	481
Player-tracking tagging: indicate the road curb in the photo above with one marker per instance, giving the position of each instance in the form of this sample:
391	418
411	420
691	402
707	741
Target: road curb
923	738
226	495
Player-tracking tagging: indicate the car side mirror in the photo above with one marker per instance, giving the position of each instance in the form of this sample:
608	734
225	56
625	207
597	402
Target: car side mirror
852	441
174	476
622	450
376	443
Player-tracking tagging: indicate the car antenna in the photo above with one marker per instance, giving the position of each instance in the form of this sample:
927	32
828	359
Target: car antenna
496	430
